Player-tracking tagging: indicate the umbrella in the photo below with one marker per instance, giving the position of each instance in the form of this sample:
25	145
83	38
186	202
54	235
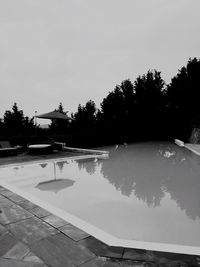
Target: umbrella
53	115
55	185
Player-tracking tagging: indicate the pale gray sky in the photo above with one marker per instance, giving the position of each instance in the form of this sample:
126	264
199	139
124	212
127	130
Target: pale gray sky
71	51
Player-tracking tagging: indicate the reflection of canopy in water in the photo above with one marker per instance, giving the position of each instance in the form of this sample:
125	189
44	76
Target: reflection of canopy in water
59	164
89	165
150	170
43	165
55	185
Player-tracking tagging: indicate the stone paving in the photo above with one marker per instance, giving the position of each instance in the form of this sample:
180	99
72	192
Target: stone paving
32	237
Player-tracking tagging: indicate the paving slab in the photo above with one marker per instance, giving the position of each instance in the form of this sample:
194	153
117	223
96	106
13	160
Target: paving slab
5	192
61	251
18	263
161	258
31	230
73	232
11	248
105	262
12	214
16	198
135	254
32	258
175	258
55	221
4	202
27	205
10	195
3	230
101	249
1	196
39	212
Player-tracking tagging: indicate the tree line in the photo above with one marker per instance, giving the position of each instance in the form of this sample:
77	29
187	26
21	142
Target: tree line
146	109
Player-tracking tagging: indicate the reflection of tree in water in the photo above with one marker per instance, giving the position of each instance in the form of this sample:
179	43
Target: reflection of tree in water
61	164
149	170
149	193
184	185
89	165
135	169
117	171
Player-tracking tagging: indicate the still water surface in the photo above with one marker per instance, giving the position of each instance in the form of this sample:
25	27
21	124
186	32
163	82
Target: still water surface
145	191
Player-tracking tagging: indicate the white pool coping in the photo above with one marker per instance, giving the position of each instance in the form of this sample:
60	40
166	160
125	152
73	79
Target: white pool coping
192	148
189	146
81	150
39	146
55	160
107	238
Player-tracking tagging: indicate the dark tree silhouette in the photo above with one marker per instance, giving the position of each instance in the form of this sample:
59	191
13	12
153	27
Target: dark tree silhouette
183	99
117	111
15	123
2	128
85	117
146	109
133	111
118	105
149	95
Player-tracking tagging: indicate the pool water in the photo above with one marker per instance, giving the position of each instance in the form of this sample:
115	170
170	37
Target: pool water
145	192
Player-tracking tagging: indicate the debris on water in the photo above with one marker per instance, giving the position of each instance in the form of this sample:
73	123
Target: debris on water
169	154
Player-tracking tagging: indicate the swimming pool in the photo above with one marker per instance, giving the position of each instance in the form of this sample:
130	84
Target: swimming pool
145	195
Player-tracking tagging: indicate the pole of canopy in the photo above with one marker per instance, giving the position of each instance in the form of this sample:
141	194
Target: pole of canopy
54	164
36	123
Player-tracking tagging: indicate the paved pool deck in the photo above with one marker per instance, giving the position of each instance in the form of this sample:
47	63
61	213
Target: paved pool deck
33	237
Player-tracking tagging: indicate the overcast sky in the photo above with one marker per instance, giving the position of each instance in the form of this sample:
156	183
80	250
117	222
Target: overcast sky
71	51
